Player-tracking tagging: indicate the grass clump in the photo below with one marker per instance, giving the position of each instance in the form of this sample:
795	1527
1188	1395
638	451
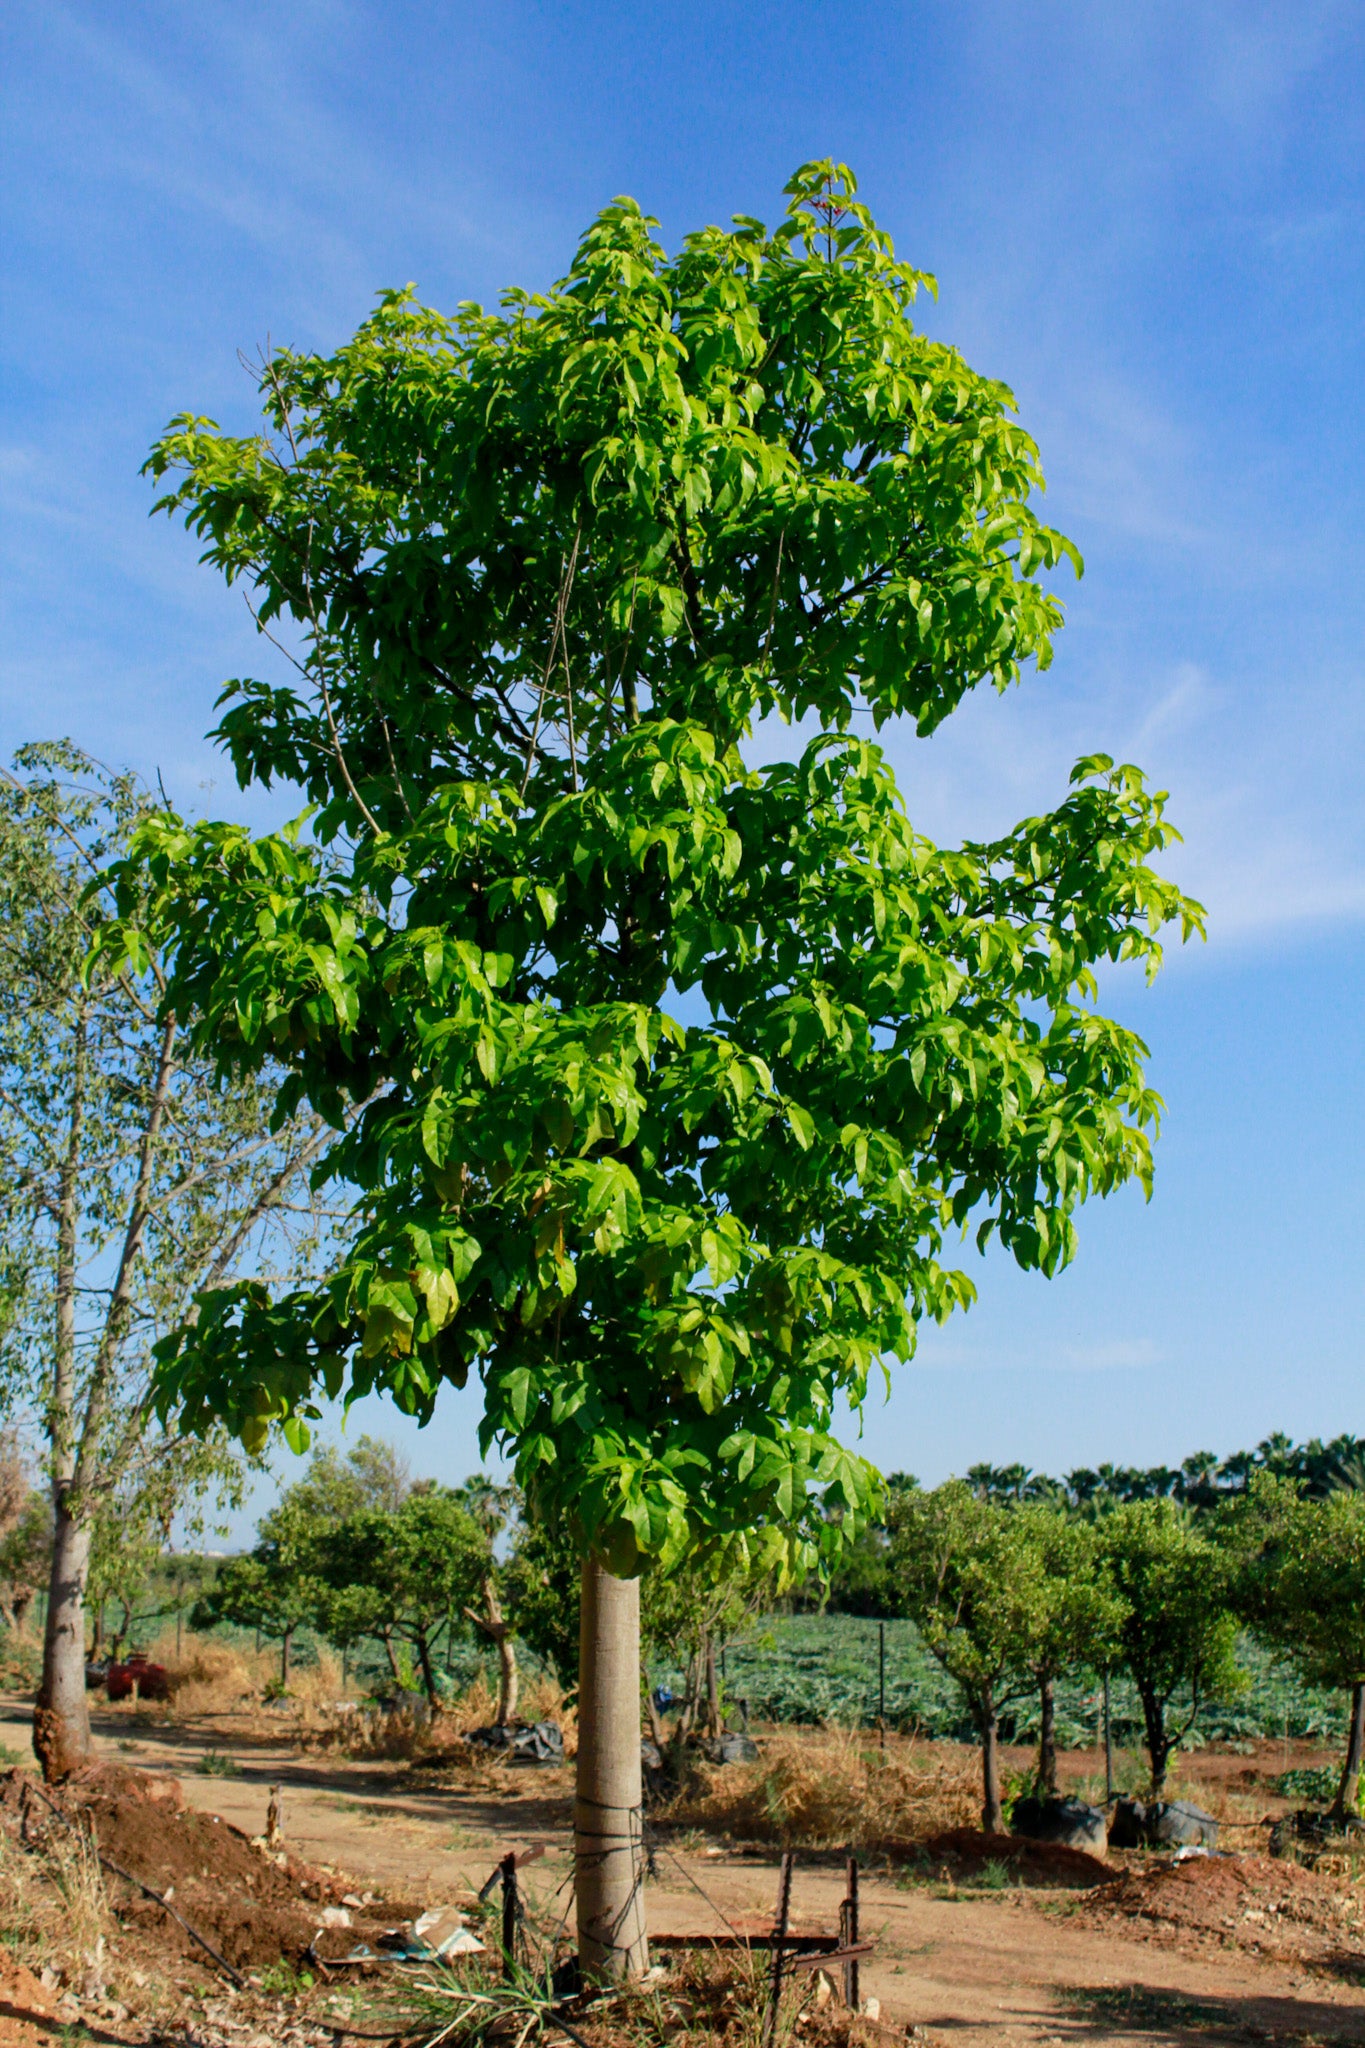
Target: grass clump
833	1790
1317	1785
213	1765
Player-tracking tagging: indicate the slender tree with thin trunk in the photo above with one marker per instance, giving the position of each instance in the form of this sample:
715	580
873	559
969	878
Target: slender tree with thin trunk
966	1571
1178	1632
531	578
1074	1619
128	1179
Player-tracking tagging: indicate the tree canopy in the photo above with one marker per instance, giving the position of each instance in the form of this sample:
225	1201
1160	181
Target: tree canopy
540	571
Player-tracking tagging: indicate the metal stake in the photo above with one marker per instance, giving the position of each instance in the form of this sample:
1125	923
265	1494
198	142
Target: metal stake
848	1933
784	1901
509	1917
881	1680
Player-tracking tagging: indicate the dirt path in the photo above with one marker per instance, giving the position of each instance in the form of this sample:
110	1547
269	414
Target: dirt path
1020	1967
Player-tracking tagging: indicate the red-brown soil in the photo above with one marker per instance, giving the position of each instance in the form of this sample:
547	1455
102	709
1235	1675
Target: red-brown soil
1256	1903
256	1908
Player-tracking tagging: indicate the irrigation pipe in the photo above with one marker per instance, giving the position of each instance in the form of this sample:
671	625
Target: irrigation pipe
117	1868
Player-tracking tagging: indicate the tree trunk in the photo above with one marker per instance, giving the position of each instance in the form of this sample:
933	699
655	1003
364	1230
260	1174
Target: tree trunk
1158	1742
1348	1791
1047	1740
499	1630
61	1719
393	1661
712	1693
428	1674
657	1732
509	1679
608	1801
988	1727
285	1641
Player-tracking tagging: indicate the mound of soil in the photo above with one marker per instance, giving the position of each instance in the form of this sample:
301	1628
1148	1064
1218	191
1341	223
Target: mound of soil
28	2011
255	1907
1037	1863
1253	1902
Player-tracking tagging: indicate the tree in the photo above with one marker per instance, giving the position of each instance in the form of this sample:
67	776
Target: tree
132	1520
538	573
128	1179
400	1575
963	1569
1302	1585
491	1505
263	1590
281	1585
1178	1632
683	1616
541	1582
1075	1618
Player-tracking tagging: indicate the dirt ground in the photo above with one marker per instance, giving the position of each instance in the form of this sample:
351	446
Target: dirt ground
1237	1948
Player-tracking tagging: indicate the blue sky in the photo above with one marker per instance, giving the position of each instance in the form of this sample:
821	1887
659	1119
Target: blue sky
1147	219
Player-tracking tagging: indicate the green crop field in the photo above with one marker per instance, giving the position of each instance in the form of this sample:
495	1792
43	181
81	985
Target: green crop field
824	1668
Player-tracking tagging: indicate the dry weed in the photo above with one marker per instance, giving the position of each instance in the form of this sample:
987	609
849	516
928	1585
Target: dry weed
208	1677
833	1789
54	1914
415	1733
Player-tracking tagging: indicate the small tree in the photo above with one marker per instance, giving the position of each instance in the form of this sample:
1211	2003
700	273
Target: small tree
399	1576
1178	1633
128	1179
540	573
491	1505
281	1586
260	1591
1075	1619
541	1581
1302	1584
684	1616
963	1569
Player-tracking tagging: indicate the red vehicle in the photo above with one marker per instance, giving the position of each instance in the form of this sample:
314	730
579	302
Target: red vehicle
137	1676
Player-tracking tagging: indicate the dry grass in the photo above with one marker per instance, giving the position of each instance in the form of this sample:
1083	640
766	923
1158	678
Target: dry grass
54	1914
414	1733
834	1789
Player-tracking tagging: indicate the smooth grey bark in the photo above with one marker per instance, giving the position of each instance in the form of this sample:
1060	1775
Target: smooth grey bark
609	1794
61	1718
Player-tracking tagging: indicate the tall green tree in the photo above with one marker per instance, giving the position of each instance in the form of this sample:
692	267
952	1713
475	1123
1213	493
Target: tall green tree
1075	1618
129	1179
539	573
401	1575
1178	1635
962	1567
1302	1585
